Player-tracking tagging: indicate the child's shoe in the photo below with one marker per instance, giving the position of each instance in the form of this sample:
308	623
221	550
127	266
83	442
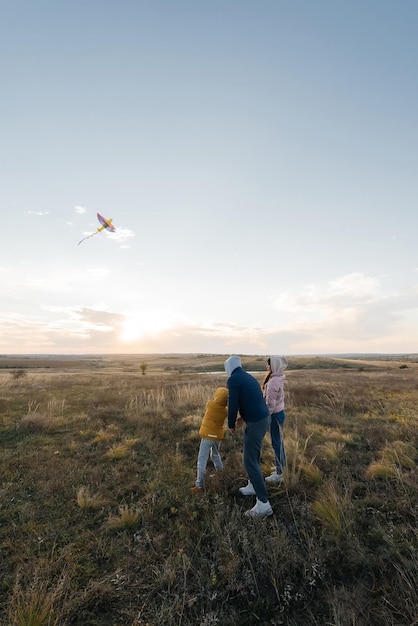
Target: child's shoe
248	490
274	478
196	489
260	509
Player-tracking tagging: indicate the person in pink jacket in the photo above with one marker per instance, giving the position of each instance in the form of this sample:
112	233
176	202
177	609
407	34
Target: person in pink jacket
273	391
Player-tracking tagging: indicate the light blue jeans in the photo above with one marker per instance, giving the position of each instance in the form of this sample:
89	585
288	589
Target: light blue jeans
207	448
253	439
276	432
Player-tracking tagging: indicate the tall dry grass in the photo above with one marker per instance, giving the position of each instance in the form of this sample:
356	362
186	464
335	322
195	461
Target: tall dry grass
98	526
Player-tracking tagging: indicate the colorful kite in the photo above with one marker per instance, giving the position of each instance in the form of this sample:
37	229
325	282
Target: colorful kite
105	224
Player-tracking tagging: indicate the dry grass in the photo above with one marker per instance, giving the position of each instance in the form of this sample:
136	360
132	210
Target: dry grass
98	526
118	451
87	501
381	470
127	519
332	451
400	453
104	436
330	508
297	460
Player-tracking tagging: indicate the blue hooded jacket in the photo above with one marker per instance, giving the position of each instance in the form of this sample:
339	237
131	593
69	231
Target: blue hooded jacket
244	394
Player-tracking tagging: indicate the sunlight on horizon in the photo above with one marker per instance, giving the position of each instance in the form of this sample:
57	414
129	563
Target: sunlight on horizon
143	324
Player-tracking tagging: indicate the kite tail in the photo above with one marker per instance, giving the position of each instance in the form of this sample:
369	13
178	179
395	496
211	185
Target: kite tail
88	237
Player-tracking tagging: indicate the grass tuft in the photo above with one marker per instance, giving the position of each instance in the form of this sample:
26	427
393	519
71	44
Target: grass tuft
400	453
331	510
87	501
382	471
126	520
312	474
332	450
118	451
296	450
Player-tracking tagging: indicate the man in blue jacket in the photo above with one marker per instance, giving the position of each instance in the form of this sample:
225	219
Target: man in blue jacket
246	398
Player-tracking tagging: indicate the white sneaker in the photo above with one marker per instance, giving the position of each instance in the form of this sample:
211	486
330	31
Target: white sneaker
260	509
274	478
248	490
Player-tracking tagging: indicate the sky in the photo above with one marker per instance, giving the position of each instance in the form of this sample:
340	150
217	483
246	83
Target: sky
258	159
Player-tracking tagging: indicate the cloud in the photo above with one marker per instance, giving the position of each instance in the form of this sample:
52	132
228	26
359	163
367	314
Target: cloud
98	272
97	319
83	321
350	314
23	332
121	234
80	210
184	335
68	330
75	330
53	281
38	212
346	291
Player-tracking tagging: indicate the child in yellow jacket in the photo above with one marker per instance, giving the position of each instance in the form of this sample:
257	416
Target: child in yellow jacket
212	433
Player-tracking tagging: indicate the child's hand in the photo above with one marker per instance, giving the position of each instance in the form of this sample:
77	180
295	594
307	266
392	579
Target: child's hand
232	431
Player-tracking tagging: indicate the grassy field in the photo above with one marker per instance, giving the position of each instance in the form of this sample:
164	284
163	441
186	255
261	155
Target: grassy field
98	526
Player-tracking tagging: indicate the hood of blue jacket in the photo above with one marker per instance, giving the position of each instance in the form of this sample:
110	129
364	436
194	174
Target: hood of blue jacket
231	364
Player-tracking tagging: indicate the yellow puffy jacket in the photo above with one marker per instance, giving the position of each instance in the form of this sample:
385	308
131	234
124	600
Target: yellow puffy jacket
214	419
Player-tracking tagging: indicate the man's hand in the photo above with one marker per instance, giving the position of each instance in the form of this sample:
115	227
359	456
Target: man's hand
239	421
232	431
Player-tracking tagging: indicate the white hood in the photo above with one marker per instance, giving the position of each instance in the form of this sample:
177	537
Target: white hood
231	364
278	363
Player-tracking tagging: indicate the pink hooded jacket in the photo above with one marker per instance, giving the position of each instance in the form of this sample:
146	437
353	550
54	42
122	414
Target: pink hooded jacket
274	388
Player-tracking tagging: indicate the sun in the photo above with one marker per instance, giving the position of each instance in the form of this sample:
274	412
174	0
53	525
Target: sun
143	324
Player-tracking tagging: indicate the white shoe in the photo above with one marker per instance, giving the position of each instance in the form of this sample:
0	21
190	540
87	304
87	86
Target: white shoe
248	490
260	509
274	478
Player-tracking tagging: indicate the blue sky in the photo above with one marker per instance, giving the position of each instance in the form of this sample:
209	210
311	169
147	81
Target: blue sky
258	159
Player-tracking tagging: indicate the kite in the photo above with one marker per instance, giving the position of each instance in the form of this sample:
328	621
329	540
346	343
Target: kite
105	224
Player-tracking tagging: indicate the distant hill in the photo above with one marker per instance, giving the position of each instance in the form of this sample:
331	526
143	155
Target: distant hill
197	362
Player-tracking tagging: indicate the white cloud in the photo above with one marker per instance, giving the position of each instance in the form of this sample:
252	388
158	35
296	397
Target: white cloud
53	282
38	212
121	234
35	282
98	272
344	291
351	313
354	285
80	210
